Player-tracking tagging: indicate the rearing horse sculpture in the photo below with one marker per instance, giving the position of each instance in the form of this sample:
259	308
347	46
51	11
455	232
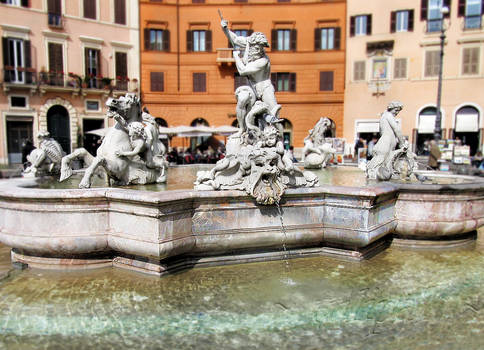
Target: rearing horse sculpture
117	153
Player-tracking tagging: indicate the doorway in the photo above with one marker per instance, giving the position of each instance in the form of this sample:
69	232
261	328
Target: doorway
91	142
17	133
58	126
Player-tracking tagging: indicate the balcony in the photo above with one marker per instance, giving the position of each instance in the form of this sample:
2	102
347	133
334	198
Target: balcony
55	21
19	78
224	56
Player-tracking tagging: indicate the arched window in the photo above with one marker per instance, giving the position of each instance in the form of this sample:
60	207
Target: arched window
467	127
161	122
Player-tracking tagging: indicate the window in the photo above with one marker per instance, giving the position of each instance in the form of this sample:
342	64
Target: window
401	21
199	40
157	81
92	62
472	10
360	25
284	39
470	61
326	81
54	11
380	69
432	63
400	69
23	3
17	60
157	39
56	65
199	82
198	1
327	38
121	66
431	12
92	105
18	101
90	9
284	81
120	11
359	70
239	81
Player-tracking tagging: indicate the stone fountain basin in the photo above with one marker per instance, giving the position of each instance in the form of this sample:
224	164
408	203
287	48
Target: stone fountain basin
160	232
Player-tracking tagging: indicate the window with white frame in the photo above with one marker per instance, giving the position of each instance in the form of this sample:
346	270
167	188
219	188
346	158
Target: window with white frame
402	21
434	15
283	39
400	68
93	106
470	60
359	71
473	14
361	25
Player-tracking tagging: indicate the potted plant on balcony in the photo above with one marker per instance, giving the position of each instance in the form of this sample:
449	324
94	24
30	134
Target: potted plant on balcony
106	82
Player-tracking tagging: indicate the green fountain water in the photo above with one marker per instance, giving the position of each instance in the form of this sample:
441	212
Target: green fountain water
400	299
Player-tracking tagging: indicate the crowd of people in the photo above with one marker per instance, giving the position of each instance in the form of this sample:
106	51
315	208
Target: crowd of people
182	155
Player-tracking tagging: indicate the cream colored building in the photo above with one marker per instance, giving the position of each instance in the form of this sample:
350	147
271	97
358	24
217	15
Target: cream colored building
61	60
393	54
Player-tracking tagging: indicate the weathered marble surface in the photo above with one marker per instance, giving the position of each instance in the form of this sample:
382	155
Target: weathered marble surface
45	160
317	152
158	232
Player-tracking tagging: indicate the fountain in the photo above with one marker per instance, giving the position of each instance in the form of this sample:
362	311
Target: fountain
235	212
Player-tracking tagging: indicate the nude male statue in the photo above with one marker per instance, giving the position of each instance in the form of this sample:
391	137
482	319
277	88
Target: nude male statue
256	66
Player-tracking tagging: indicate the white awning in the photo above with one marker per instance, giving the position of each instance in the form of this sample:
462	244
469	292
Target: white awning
426	124
371	126
466	122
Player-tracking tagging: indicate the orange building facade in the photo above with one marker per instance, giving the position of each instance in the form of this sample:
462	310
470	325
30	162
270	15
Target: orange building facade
188	75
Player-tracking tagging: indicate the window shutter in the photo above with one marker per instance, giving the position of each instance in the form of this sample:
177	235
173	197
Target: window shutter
292	82
337	38
461	9
120	11
410	20
28	60
326	81
274	80
466	59
147	35
352	25
86	61
199	82
166	40
368	24
189	40
447	3
274	39
5	50
208	40
250	31
423	10
317	39
54	7
98	55
55	57
90	9
294	39
121	64
157	81
393	22
25	3
482	7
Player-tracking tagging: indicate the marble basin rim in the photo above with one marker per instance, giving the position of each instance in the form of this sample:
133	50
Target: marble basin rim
160	232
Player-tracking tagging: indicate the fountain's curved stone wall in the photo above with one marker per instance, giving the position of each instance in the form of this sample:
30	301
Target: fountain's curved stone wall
158	232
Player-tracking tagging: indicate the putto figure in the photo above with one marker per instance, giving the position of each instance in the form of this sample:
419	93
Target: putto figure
388	163
256	160
46	159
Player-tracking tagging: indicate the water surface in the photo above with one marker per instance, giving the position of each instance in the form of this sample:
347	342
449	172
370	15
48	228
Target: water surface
400	299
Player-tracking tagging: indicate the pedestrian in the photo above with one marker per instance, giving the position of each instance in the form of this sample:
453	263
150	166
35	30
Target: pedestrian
434	155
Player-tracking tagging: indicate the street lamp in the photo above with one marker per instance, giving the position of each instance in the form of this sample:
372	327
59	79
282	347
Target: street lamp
438	115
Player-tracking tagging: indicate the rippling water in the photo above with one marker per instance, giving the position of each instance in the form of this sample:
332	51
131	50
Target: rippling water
400	299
